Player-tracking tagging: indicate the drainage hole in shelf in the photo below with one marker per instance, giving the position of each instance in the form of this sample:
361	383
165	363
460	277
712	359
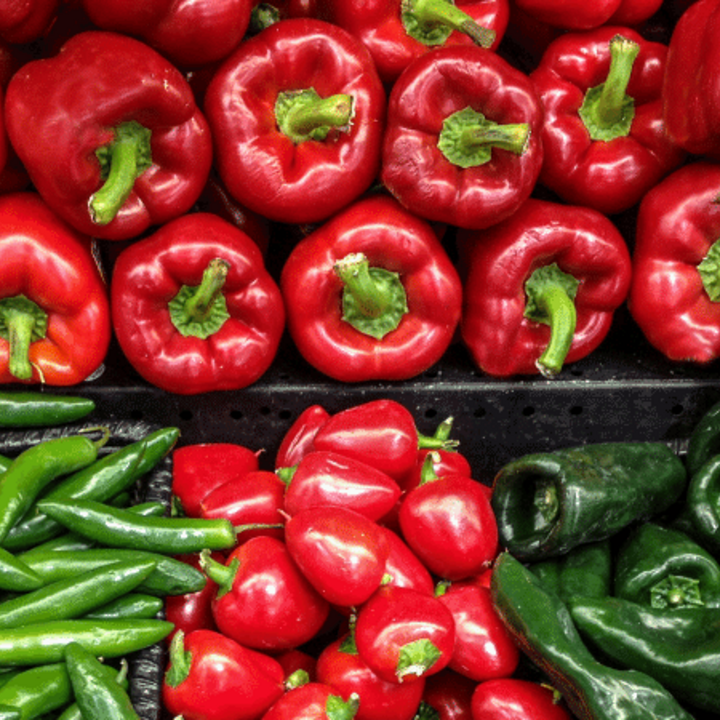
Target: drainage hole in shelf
285	414
137	414
528	411
237	414
430	413
576	410
677	409
480	412
186	415
265	410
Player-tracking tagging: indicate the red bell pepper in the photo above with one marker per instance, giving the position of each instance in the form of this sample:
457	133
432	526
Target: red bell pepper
298	439
194	308
674	295
571	14
54	310
110	134
187	33
297	115
692	81
371	294
398	31
462	144
634	12
604	138
24	22
542	288
265	14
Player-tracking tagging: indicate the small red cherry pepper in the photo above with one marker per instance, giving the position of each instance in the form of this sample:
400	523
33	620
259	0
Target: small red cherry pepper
298	439
187	33
110	134
297	115
385	300
675	298
542	288
449	695
54	309
462	144
194	308
398	31
604	138
24	22
312	701
505	698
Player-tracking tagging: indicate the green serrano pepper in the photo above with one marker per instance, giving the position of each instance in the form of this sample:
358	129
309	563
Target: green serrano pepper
9	713
43	643
73	712
71	598
39	409
132	605
15	575
120	528
38	466
5	463
97	696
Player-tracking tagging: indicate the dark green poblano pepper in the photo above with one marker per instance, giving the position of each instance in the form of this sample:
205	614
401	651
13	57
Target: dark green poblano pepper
548	503
541	624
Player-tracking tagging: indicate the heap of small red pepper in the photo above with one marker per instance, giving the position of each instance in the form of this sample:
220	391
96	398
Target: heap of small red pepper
373	182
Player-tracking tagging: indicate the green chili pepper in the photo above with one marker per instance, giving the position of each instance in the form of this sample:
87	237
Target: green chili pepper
170	576
680	649
38	690
585	571
72	598
543	628
38	466
132	605
98	697
38	409
9	713
704	440
664	568
43	643
702	506
116	527
5	463
549	503
73	712
15	575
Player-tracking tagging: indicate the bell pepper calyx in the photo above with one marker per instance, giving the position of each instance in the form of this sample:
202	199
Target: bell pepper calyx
22	322
374	300
427	471
124	159
296	679
263	15
201	310
286	473
303	115
431	22
180	660
426	711
709	270
338	709
416	658
550	294
546	504
676	591
222	575
467	138
607	110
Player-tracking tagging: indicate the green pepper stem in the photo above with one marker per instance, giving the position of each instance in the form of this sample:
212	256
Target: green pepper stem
427	471
180	660
199	304
372	298
21	323
222	575
304	115
442	12
127	157
563	319
513	137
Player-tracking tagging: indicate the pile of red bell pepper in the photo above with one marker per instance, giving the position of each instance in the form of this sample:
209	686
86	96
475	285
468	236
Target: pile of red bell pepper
374	181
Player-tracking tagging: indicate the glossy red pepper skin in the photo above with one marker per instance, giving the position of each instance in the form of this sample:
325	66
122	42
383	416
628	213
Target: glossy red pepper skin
570	14
150	273
391	239
437	86
449	694
379	24
187	33
582	242
312	701
50	264
634	12
224	681
691	115
403	567
265	169
504	698
298	440
201	467
24	22
609	175
678	223
98	81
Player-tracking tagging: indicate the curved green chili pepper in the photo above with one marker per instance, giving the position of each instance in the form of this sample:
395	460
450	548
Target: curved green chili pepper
38	409
73	712
15	575
664	568
116	527
543	628
38	690
5	463
132	605
97	696
549	503
37	467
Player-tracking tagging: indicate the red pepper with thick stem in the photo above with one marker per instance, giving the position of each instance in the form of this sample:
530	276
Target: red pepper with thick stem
54	310
187	33
396	32
297	116
110	135
194	308
571	14
542	288
674	296
462	144
604	138
385	300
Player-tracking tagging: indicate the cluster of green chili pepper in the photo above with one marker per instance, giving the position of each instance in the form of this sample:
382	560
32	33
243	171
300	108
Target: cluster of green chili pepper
84	573
610	578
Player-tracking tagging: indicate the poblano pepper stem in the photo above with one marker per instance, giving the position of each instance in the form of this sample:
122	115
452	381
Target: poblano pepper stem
304	115
22	322
122	161
607	110
431	22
